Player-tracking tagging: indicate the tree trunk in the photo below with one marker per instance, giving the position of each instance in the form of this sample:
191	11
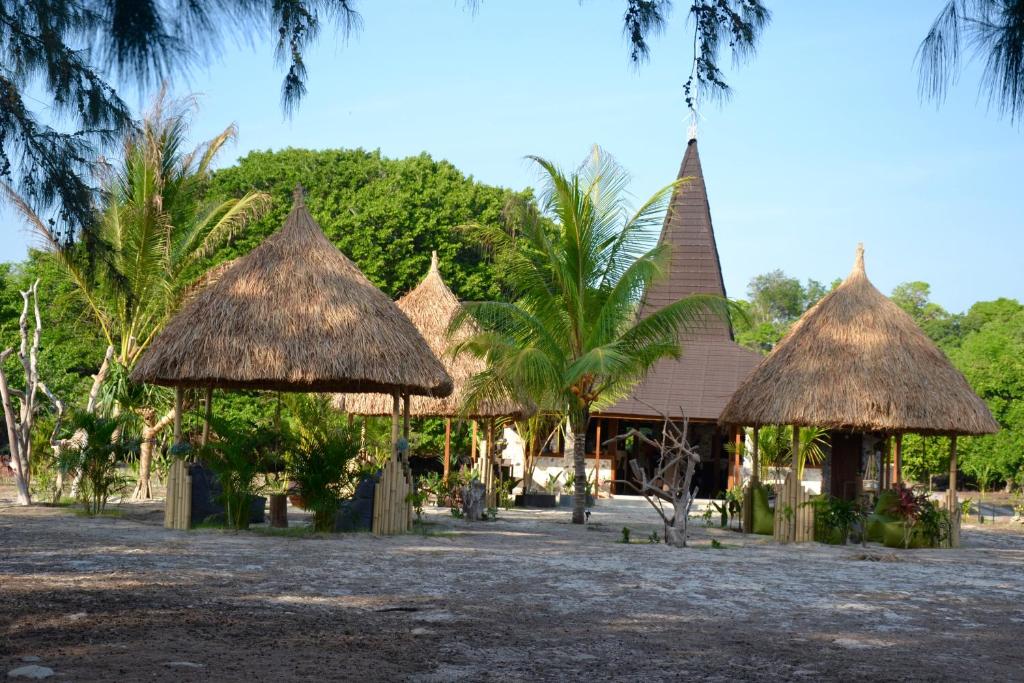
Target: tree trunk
22	482
579	461
151	428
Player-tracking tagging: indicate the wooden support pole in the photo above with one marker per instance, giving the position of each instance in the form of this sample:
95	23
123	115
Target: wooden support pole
796	451
447	447
952	466
597	460
178	401
887	458
797	483
754	460
952	500
405	419
738	457
473	449
207	416
898	459
395	408
489	450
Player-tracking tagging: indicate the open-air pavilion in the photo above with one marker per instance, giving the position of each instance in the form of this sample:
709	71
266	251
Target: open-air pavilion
296	315
432	306
857	365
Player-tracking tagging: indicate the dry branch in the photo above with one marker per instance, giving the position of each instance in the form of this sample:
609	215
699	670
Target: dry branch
671	480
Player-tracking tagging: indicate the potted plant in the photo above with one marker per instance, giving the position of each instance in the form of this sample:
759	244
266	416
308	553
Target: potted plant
569	490
542	499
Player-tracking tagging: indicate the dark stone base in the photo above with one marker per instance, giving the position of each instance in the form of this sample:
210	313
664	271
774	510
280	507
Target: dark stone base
536	500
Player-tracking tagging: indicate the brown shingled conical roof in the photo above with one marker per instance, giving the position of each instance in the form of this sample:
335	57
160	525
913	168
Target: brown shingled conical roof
699	383
431	306
857	361
295	314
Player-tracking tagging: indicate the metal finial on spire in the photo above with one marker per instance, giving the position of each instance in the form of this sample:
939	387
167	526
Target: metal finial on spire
299	195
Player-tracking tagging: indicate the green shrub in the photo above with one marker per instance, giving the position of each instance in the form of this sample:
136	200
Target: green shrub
237	456
320	466
98	460
834	518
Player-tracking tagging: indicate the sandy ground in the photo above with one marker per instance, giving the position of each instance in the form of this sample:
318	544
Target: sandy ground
529	597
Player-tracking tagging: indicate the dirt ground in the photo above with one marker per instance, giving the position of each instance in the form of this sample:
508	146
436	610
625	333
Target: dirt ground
528	597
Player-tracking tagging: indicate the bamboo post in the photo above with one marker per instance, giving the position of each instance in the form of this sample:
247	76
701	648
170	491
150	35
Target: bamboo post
898	459
447	447
207	416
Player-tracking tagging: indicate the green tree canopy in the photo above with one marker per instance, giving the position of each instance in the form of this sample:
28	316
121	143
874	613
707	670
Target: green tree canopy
992	359
775	302
385	214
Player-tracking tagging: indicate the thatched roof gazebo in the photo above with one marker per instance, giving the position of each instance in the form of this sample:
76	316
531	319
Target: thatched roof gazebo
431	306
294	314
854	363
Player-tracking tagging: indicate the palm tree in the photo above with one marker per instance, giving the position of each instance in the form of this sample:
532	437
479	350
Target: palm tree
577	269
994	30
153	232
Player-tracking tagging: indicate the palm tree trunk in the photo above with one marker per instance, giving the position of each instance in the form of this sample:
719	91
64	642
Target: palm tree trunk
579	444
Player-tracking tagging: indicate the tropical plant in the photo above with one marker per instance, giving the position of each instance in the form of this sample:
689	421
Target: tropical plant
834	519
775	448
153	231
321	467
100	448
536	432
551	486
570	335
933	523
238	455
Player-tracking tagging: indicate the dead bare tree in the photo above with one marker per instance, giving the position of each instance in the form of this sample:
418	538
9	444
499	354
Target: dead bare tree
671	480
21	423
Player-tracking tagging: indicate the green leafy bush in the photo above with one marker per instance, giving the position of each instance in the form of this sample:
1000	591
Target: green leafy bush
834	518
98	459
238	456
320	465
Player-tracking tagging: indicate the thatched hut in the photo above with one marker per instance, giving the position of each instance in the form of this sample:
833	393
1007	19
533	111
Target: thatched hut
431	306
858	365
295	314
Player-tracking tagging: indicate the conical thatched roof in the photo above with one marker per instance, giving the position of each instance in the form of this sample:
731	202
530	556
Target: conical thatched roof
293	315
431	306
857	361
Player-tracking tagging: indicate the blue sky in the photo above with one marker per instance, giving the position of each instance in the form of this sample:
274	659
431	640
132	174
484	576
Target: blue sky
823	144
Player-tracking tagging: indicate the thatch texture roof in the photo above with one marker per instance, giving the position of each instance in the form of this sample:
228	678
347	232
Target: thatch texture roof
431	306
857	361
295	314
